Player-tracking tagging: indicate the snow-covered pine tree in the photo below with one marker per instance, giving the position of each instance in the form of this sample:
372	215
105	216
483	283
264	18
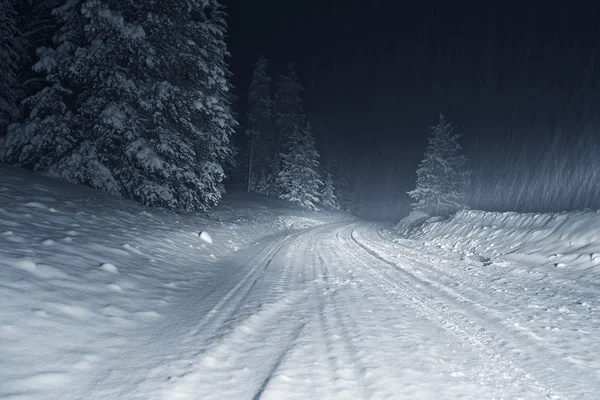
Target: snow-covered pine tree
298	180
288	117
137	103
260	126
289	109
343	184
442	176
189	103
13	54
327	195
38	23
80	123
335	161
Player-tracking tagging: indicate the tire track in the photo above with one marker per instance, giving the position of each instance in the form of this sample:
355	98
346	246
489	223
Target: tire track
231	302
467	330
346	327
293	338
341	357
217	322
497	324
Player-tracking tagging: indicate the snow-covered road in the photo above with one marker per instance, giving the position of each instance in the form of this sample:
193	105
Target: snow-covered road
101	298
339	312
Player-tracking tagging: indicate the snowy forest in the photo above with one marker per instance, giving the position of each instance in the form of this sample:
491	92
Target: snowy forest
138	101
346	199
95	94
135	100
130	98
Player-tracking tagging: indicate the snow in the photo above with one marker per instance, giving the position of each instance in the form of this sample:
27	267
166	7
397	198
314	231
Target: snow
103	298
537	240
205	236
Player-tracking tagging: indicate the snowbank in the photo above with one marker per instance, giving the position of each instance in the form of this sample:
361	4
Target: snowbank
562	240
83	274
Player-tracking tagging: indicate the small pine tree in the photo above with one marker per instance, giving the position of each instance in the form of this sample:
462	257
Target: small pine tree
298	180
260	126
13	54
442	176
328	196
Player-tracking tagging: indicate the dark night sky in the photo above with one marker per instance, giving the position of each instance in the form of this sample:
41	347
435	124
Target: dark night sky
377	73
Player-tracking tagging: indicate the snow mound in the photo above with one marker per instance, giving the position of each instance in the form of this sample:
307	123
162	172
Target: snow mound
565	240
410	222
205	236
108	267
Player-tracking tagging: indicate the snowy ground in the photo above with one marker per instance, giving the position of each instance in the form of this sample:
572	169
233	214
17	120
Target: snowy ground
104	299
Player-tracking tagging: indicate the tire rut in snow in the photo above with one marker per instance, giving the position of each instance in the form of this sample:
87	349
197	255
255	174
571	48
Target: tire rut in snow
431	307
223	314
343	359
248	354
293	337
217	322
350	330
516	338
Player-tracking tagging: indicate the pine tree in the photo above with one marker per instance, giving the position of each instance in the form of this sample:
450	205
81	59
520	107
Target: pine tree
336	162
40	25
13	54
192	104
442	176
289	109
328	196
260	126
136	104
288	118
298	180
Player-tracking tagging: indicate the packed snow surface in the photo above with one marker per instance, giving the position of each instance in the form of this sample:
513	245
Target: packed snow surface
102	298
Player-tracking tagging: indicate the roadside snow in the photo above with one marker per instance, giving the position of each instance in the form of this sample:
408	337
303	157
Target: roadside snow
546	241
84	274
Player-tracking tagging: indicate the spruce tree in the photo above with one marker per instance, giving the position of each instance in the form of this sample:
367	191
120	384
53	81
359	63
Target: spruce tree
442	176
328	196
298	180
336	162
288	118
13	54
136	103
191	101
40	23
260	126
289	109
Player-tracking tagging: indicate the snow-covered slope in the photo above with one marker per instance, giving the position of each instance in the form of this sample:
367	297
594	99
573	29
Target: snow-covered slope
82	273
101	298
569	241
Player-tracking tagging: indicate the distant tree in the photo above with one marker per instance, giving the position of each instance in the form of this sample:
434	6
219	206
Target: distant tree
442	176
288	117
260	127
13	55
298	180
127	110
336	162
289	108
343	185
327	195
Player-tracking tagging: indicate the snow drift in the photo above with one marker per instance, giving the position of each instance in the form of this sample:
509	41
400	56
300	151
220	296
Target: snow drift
83	275
559	240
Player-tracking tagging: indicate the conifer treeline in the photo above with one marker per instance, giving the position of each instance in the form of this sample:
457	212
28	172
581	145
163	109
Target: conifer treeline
128	97
283	160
